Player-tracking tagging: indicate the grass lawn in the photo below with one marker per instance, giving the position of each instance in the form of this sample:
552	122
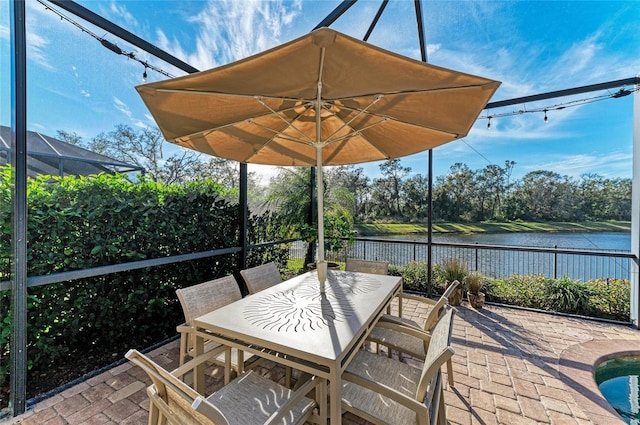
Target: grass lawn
491	227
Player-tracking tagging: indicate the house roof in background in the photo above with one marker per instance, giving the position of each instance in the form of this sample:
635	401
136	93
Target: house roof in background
50	156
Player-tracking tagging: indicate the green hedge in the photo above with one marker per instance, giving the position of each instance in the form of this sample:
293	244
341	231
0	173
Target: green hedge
603	298
85	222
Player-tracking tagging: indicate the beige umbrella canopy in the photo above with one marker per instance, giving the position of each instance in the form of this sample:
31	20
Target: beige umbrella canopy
322	99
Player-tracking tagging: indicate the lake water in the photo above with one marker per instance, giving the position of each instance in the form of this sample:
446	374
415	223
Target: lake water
494	262
600	241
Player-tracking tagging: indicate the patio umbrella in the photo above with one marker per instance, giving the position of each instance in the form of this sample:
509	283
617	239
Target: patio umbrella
322	99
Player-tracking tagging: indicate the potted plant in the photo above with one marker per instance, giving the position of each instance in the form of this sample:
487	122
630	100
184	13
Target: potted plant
454	269
474	282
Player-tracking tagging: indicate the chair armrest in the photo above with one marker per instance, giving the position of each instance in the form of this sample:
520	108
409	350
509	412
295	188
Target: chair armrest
389	318
405	329
184	328
298	395
385	391
197	361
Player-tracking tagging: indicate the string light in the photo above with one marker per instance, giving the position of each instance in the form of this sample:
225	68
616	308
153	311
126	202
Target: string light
108	44
618	94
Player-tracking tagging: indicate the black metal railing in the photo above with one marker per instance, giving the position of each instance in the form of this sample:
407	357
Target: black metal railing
497	260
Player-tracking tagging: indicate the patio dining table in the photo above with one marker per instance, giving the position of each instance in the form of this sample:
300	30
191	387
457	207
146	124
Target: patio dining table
295	325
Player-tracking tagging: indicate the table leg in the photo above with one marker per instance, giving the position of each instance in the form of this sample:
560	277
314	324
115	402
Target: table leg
335	398
198	372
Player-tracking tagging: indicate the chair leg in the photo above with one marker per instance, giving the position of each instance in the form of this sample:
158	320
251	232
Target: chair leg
321	399
184	341
450	373
287	376
442	414
154	414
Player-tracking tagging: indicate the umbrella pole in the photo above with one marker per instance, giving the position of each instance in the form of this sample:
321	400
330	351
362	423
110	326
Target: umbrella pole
321	265
320	195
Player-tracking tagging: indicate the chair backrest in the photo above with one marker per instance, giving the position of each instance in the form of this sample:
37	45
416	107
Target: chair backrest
205	297
261	277
436	310
367	266
449	290
439	352
172	396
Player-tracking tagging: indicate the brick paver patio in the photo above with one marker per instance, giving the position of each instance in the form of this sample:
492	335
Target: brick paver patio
511	367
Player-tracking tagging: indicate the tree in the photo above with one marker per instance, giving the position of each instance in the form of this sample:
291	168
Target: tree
391	184
492	184
72	137
222	170
144	148
453	194
416	191
544	196
290	195
353	180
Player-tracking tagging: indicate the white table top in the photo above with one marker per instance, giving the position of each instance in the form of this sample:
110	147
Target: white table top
294	318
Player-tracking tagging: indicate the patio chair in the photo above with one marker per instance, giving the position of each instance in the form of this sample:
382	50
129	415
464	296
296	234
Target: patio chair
367	266
407	336
200	299
261	277
385	391
249	399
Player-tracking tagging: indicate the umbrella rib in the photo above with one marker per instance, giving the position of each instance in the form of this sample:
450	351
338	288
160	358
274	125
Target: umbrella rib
279	134
400	121
359	112
288	124
231	124
218	93
355	132
409	92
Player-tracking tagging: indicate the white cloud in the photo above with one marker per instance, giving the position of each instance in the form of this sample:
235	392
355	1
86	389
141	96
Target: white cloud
36	49
122	107
230	30
118	10
576	165
4	32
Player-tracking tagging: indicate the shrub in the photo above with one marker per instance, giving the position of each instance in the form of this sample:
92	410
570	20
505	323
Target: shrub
414	277
474	282
521	290
567	296
454	269
610	298
77	223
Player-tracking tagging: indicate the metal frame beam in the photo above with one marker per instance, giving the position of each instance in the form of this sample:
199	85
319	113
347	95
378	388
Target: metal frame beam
18	384
634	311
565	92
99	21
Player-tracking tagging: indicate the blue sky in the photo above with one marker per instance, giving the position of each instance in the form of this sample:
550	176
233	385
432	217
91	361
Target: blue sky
77	85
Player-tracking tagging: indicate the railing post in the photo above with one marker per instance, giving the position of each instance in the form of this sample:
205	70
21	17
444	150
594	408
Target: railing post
476	265
634	312
555	262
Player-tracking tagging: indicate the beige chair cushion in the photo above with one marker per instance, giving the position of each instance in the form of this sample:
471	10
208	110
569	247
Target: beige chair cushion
261	277
367	266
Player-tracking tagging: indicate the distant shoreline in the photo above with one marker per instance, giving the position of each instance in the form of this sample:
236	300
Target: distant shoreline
374	229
